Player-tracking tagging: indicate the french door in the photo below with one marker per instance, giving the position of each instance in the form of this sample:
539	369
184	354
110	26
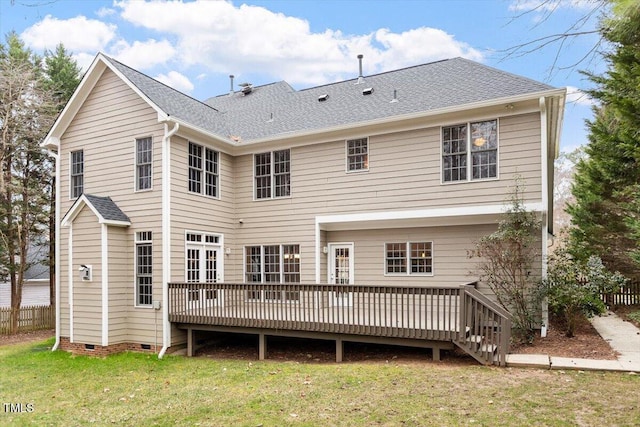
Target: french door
204	265
341	272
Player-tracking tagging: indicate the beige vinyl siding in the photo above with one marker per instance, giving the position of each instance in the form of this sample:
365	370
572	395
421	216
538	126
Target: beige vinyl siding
106	127
450	245
120	283
197	212
404	174
87	296
451	265
145	323
64	282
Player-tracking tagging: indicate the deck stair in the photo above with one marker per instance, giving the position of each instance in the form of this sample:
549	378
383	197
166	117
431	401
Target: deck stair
485	328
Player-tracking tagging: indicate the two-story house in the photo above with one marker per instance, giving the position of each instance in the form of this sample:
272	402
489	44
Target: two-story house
345	209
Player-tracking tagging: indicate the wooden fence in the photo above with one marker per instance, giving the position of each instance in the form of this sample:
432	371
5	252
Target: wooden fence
629	294
31	318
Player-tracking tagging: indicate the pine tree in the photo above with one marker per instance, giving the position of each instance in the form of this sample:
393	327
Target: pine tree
62	76
605	213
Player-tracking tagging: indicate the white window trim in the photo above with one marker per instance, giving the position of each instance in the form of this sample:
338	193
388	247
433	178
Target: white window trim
71	197
204	171
346	155
135	270
202	244
273	187
468	154
262	274
408	260
135	165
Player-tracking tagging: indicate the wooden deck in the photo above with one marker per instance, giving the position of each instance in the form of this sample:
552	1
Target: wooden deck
411	315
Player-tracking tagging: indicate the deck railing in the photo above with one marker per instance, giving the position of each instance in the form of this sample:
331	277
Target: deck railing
383	311
459	314
485	328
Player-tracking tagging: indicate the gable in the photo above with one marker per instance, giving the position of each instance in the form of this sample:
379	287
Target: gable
103	208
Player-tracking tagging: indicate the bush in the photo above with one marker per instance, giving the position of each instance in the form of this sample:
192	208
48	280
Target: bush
573	288
507	259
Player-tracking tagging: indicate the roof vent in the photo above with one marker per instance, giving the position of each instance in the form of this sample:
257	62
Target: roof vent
247	88
395	96
367	91
323	97
231	88
360	76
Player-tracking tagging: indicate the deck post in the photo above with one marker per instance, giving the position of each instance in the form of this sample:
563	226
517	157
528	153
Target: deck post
189	342
339	350
436	353
262	346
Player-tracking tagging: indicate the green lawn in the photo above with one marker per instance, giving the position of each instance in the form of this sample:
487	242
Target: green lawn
138	389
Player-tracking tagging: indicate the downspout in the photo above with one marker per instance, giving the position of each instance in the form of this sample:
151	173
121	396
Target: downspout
166	234
544	141
56	156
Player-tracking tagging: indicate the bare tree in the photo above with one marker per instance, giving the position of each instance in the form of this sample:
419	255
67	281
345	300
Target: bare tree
563	40
26	113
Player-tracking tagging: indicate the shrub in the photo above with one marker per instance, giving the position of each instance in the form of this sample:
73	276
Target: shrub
507	259
573	288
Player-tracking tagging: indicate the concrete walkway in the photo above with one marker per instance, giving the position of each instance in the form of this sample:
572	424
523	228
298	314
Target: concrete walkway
623	337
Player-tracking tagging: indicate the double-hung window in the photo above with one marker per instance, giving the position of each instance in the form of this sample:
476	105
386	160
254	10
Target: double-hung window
144	156
408	258
76	182
272	174
203	170
357	155
144	269
470	151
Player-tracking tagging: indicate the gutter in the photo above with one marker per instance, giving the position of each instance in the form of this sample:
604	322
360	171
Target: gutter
56	156
166	232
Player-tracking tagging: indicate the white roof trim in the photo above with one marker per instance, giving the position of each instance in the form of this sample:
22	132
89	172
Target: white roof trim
89	80
80	203
418	217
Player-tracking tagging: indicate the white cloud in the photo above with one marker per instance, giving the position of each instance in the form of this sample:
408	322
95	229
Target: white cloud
78	34
103	12
143	55
245	39
578	97
176	80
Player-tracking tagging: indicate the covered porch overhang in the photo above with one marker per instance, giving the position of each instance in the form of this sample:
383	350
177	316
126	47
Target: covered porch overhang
434	217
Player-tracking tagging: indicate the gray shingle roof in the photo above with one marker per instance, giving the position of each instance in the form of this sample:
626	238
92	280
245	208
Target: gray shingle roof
277	109
107	208
173	102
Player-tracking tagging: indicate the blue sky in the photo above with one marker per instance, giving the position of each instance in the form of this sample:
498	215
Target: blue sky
193	46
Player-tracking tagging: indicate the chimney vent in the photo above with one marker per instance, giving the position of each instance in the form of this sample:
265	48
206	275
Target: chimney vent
395	96
360	75
231	88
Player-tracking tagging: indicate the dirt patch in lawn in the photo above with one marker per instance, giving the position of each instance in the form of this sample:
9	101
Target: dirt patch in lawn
586	344
24	337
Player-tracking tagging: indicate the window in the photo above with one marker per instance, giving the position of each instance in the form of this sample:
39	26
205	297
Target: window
144	269
470	155
203	170
272	264
272	174
357	155
144	155
77	174
409	258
